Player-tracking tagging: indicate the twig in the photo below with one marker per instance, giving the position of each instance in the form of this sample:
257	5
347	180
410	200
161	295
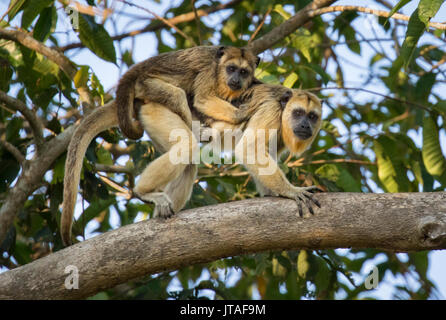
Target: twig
13	150
299	163
34	122
112	168
165	21
379	13
186	17
259	26
375	93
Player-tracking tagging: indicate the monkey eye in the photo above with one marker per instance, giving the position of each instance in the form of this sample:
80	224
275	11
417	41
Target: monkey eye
297	113
231	69
244	72
312	116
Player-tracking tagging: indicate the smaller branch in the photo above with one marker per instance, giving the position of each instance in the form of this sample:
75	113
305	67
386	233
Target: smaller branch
124	192
375	93
13	150
112	169
299	163
34	122
186	17
165	21
260	26
379	13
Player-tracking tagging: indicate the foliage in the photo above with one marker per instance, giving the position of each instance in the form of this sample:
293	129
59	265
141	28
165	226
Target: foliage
369	142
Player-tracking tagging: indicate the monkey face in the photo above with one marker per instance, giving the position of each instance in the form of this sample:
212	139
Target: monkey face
301	119
236	68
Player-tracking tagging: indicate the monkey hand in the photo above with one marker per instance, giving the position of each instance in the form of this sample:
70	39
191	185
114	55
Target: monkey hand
163	204
304	195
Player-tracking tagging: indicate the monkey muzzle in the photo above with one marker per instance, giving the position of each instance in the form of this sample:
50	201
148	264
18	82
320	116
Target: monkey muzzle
302	134
234	84
302	130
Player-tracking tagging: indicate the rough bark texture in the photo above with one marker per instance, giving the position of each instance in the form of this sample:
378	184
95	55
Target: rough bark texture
400	222
285	29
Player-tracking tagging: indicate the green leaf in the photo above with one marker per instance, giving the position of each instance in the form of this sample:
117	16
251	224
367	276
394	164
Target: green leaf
14	7
280	10
290	80
387	172
81	77
424	86
440	106
398	6
32	10
418	23
96	38
5	74
340	176
428	9
432	155
46	24
318	69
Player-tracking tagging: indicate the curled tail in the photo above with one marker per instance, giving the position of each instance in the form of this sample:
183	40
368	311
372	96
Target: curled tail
127	111
99	120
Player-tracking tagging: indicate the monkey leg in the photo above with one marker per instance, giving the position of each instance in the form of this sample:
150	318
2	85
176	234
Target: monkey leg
170	135
180	189
271	179
174	98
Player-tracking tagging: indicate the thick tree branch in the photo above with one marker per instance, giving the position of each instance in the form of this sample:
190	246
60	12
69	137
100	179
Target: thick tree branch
59	58
31	179
285	29
397	222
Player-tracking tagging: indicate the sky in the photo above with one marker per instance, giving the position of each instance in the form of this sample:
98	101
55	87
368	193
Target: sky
145	46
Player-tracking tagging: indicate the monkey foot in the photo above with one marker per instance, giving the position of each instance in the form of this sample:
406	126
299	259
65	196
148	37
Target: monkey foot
163	204
305	195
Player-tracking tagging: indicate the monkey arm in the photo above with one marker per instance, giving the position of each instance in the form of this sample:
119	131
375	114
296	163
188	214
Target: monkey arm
252	151
219	109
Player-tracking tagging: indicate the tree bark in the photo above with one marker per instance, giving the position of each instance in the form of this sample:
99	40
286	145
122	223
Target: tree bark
396	222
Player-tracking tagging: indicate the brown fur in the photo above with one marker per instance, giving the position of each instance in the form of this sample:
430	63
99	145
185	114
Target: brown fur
170	186
169	77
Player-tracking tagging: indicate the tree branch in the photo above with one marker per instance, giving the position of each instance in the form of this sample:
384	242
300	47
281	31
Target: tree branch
316	8
278	33
379	13
31	179
34	122
13	150
59	58
397	222
157	25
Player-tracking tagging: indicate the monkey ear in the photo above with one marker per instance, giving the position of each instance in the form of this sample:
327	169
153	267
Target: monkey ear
285	98
221	52
257	61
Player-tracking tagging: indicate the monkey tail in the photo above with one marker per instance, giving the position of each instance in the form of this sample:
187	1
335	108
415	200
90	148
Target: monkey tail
99	120
127	111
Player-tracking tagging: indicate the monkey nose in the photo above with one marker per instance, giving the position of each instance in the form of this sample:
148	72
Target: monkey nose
235	85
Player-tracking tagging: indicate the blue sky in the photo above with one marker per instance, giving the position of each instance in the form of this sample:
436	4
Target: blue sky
145	46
